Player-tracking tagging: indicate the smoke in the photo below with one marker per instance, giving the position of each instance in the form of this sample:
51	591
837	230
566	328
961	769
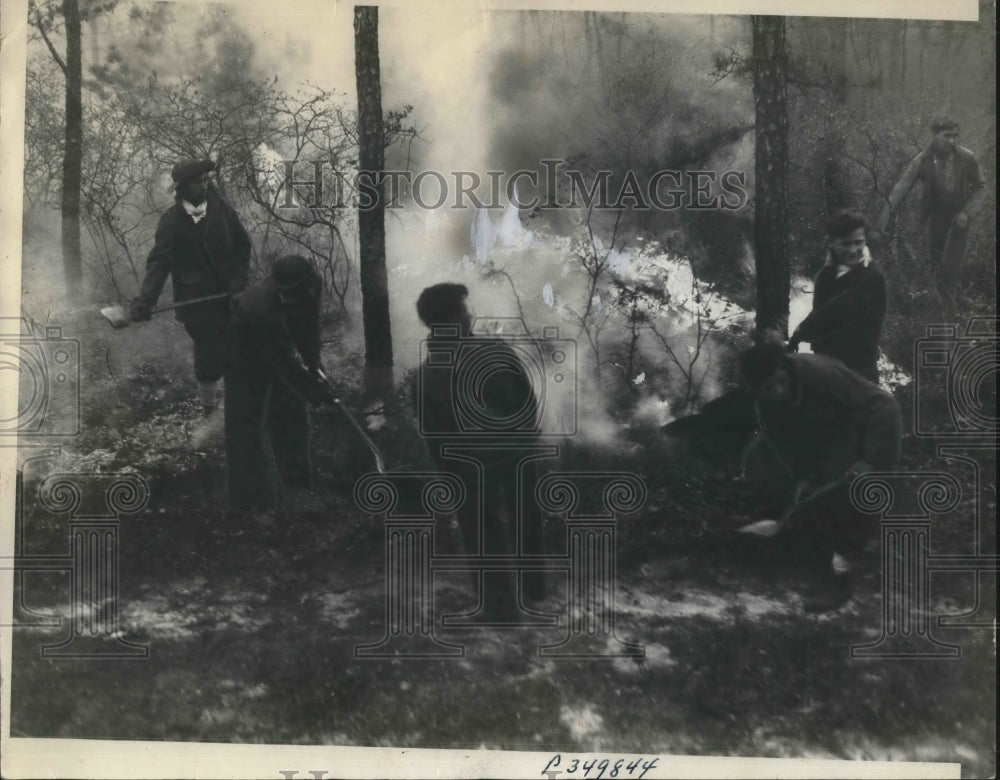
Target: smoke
490	93
499	91
617	90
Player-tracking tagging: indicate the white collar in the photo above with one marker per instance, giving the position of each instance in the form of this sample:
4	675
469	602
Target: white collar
197	213
866	259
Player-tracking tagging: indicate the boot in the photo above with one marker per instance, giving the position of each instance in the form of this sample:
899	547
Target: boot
209	393
211	433
829	593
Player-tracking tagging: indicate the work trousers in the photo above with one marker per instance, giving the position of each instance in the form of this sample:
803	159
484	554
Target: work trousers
264	421
948	246
500	496
206	325
824	526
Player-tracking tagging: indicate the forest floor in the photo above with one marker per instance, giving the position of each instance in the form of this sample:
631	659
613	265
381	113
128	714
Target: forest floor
251	634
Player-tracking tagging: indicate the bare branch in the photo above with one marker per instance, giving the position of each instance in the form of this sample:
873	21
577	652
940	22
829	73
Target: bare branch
39	24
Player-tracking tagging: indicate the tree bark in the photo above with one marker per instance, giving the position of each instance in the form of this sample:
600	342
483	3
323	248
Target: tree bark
836	190
371	216
73	155
770	78
903	34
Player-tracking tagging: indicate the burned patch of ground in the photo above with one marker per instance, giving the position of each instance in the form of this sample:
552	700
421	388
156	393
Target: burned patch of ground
252	634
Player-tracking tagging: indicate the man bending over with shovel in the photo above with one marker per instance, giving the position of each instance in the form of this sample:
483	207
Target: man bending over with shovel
203	247
273	370
819	426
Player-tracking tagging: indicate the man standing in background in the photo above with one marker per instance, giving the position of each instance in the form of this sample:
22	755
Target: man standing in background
203	247
953	192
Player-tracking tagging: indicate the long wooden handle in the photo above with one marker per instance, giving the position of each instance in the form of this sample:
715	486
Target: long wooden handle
179	304
801	502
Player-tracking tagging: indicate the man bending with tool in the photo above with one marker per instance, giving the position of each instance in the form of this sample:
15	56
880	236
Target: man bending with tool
203	247
272	370
819	426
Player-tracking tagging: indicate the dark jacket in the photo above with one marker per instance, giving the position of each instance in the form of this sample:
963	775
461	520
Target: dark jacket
267	340
212	256
834	419
967	193
847	317
480	391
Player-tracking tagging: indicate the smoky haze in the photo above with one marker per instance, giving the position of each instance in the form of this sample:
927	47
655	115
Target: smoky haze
502	91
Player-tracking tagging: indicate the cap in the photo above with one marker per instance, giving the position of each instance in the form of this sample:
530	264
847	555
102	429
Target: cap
191	168
290	271
943	123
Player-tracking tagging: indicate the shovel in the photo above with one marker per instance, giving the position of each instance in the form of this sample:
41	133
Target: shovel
119	319
376	453
769	528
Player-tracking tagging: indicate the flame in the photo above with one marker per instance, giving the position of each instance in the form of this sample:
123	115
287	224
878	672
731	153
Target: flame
510	231
484	235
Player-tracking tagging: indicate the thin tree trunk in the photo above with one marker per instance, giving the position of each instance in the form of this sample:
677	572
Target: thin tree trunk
770	78
73	156
371	220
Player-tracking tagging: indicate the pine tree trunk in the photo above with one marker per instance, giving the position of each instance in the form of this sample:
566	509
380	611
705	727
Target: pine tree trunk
836	187
73	156
903	34
770	75
371	216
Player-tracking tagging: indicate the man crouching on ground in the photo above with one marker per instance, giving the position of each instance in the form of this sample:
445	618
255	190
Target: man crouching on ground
821	424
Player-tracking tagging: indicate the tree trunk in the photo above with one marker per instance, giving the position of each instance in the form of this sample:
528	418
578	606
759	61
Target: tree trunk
836	186
73	156
770	74
924	40
903	33
371	216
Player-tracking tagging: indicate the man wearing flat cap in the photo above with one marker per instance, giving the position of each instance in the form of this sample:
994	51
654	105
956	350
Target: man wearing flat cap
953	192
272	370
201	244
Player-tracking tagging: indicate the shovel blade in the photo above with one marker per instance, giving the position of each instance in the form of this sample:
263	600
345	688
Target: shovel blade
115	315
766	528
